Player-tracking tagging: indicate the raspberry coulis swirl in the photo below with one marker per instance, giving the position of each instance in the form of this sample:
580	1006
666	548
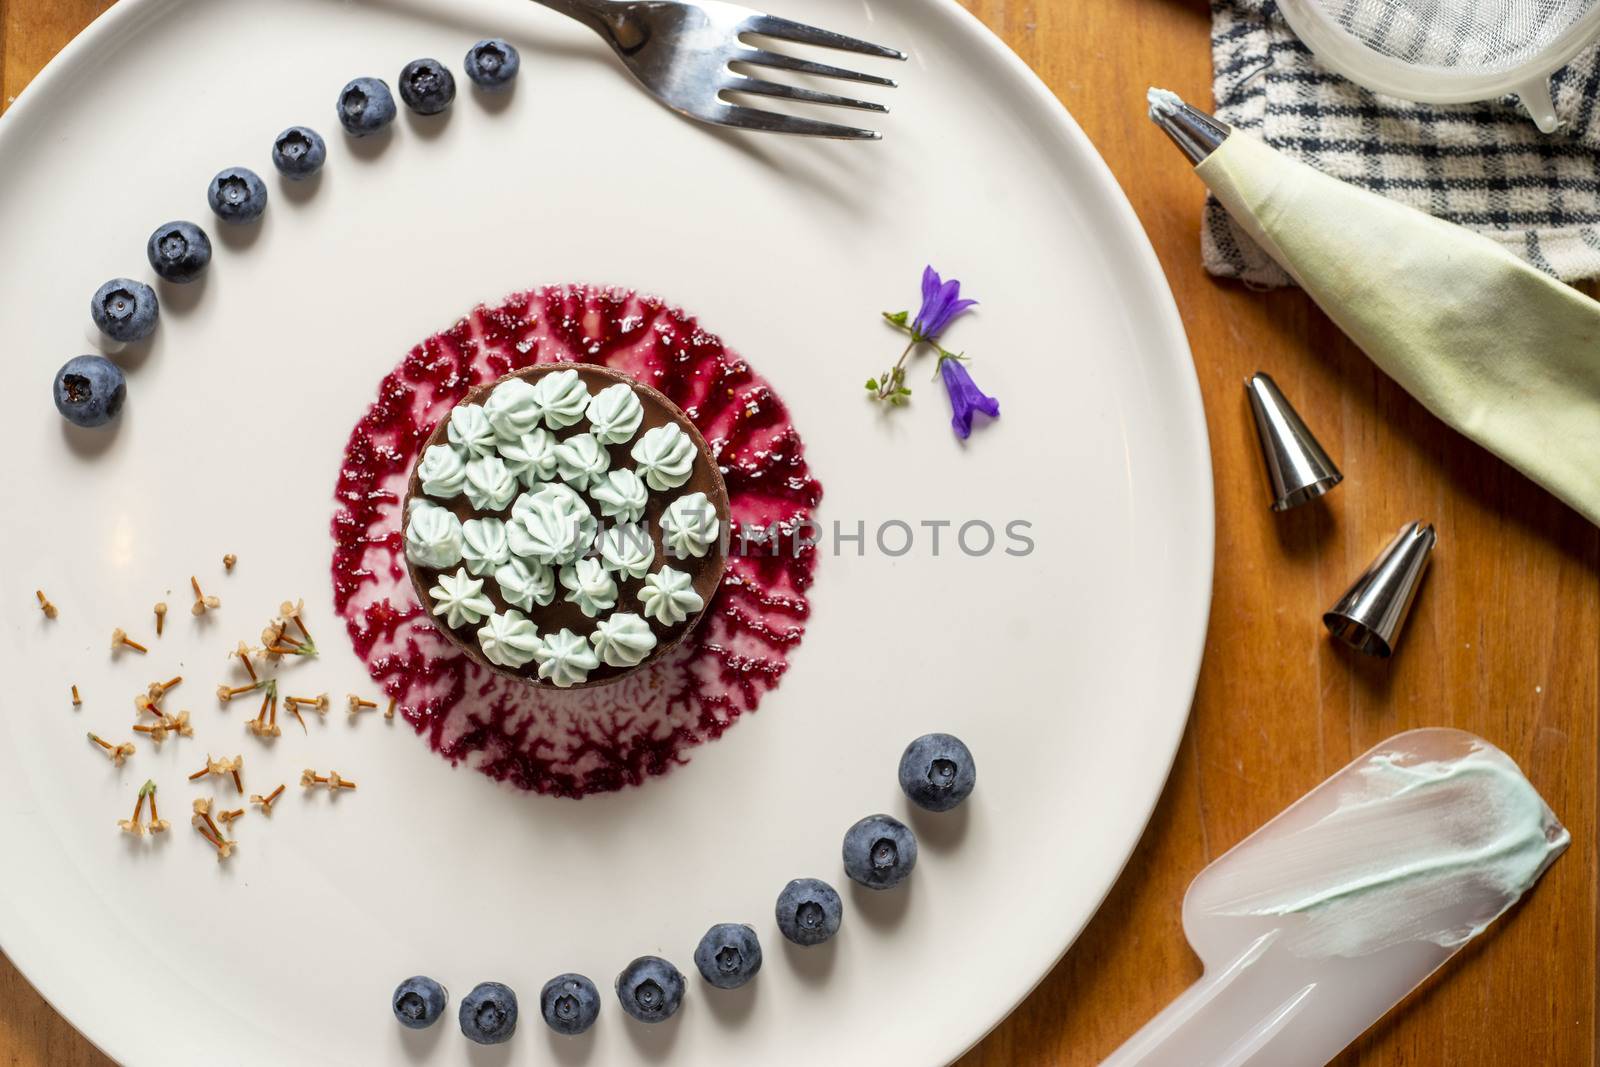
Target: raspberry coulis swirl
594	740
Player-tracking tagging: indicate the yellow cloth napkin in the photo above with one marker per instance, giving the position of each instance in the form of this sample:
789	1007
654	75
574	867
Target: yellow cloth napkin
1505	354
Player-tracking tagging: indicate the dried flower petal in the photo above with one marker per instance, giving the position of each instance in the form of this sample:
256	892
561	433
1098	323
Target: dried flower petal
121	640
267	801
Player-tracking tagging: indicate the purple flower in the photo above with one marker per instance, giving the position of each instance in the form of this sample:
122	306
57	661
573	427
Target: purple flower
966	399
941	304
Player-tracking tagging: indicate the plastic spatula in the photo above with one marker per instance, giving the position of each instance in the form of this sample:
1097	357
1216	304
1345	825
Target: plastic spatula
1322	920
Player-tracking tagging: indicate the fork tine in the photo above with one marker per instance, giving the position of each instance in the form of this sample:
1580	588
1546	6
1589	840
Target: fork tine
741	84
763	58
749	118
800	33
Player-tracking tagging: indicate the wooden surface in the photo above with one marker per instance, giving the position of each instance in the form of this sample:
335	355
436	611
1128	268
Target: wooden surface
1504	639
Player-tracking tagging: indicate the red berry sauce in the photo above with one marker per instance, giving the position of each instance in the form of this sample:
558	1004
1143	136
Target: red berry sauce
602	739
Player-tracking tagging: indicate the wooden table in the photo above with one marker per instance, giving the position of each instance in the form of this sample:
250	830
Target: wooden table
1504	640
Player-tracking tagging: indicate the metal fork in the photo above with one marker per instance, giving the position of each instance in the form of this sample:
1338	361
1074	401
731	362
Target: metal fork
682	53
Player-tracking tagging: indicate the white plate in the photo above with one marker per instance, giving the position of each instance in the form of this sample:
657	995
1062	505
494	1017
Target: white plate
1069	671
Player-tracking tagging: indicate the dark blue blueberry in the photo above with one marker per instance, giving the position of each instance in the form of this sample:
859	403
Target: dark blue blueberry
427	86
418	1002
493	64
879	852
299	152
650	989
238	195
570	1004
89	390
125	310
729	955
937	772
365	106
489	1013
179	251
809	911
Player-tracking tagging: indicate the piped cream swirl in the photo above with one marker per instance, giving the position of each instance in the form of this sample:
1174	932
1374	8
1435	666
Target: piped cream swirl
459	598
615	414
565	659
623	640
509	639
443	472
689	526
526	584
561	398
490	485
668	597
551	527
433	536
531	457
664	457
484	545
590	586
627	550
621	495
469	430
512	410
580	460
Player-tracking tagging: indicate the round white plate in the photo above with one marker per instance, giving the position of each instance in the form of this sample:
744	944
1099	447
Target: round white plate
1069	670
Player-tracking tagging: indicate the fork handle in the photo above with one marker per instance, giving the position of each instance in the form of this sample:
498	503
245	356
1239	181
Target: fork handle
612	19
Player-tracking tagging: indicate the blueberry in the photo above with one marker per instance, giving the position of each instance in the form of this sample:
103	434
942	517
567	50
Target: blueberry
809	911
570	1004
89	390
125	310
365	106
650	989
879	852
299	152
418	1002
937	772
493	64
729	955
238	195
489	1013
427	86
179	251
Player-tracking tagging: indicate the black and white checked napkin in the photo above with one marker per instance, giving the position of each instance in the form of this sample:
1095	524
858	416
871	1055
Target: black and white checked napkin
1485	166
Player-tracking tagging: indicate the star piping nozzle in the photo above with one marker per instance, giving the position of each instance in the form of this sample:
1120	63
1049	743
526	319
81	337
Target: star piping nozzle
1298	467
1196	133
1369	617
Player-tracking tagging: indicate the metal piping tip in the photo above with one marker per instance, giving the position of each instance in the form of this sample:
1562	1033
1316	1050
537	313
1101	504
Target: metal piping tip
1196	133
1368	618
1297	467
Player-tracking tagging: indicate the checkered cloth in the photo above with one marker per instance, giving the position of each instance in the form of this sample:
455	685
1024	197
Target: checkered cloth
1485	166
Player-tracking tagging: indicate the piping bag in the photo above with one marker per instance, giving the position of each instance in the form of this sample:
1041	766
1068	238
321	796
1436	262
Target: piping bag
1507	355
1314	926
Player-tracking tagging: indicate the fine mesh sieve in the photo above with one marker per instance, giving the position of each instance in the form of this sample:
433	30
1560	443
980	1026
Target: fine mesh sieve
1449	51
